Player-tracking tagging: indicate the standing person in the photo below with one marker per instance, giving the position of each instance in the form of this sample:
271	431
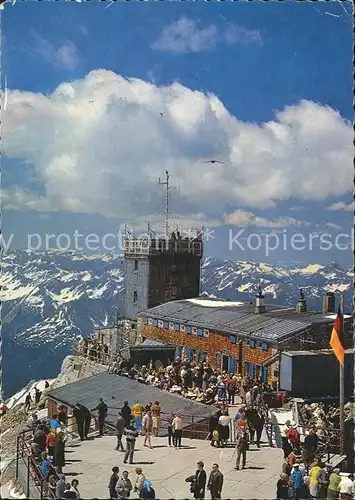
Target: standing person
28	402
79	419
131	435
282	487
286	447
156	411
139	484
346	486
119	432
113	482
137	414
147	425
200	481
224	423
50	442
60	487
177	431
101	408
170	428
258	424
298	483
63	416
242	448
59	452
323	479
126	413
87	417
314	483
232	389
124	486
333	488
74	488
215	482
147	492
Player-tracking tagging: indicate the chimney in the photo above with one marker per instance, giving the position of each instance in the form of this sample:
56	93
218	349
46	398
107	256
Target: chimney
329	302
301	306
259	304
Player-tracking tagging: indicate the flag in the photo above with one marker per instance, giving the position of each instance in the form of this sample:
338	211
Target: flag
336	339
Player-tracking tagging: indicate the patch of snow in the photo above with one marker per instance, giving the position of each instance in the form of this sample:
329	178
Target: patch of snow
19	398
340	287
215	303
310	269
65	295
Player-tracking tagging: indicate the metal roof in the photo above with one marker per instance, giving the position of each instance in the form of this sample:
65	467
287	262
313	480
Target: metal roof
275	324
115	389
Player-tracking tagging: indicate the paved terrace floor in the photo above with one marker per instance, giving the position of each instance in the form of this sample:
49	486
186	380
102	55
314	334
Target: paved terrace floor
91	462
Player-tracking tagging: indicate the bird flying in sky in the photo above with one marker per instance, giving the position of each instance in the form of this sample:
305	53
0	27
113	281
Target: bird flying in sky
214	161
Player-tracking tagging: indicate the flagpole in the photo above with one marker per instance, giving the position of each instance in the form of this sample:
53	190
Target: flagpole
341	389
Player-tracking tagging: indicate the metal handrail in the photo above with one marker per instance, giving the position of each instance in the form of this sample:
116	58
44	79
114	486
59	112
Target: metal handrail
33	471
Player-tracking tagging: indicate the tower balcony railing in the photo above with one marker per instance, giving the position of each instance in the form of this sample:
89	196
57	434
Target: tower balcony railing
151	246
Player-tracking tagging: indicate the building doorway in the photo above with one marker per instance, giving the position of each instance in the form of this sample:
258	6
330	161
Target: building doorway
225	363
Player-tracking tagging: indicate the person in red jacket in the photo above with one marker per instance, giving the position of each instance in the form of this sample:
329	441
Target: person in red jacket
293	437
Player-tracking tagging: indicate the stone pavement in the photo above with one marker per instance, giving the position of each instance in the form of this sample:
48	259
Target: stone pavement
91	462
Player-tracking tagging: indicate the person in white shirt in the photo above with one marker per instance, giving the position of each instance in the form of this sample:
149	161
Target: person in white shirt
224	423
177	431
139	481
346	486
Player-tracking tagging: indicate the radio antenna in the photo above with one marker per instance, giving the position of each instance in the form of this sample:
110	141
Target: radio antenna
168	188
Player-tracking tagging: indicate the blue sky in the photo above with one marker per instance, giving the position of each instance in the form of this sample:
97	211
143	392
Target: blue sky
272	102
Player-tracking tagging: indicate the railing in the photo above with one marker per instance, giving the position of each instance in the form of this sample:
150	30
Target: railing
36	485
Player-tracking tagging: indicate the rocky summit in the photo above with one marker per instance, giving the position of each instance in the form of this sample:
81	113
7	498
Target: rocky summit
51	299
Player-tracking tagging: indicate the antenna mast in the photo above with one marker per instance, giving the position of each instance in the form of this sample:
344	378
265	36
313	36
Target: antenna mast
166	183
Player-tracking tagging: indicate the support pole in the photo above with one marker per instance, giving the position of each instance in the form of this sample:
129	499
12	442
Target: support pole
341	388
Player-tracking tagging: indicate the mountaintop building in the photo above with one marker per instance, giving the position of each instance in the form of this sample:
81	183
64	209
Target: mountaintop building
237	336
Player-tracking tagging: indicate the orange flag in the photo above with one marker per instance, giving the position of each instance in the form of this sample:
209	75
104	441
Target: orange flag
336	339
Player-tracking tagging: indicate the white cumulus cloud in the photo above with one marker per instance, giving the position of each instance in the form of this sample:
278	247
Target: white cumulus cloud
240	218
341	206
63	56
184	36
99	145
187	36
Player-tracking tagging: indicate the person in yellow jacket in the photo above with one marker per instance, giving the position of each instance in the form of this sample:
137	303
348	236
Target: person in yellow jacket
137	414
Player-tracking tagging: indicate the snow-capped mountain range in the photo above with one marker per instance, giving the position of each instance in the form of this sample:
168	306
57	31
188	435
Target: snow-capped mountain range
50	299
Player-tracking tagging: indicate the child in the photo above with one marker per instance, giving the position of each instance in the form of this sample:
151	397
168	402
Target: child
215	438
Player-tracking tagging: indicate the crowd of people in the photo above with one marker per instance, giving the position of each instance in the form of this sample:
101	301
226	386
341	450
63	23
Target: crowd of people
195	380
304	472
47	458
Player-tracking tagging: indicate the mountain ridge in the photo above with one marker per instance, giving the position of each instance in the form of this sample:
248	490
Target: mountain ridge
50	299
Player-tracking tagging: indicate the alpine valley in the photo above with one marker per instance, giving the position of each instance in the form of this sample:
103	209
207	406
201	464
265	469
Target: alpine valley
50	299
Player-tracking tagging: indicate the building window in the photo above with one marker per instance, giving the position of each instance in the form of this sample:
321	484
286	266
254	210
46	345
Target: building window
264	346
177	326
182	328
200	332
188	330
136	266
171	326
161	324
150	321
194	330
155	322
145	321
206	333
251	344
232	339
135	297
166	325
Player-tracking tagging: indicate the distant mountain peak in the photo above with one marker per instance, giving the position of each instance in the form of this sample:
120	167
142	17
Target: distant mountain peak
51	298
